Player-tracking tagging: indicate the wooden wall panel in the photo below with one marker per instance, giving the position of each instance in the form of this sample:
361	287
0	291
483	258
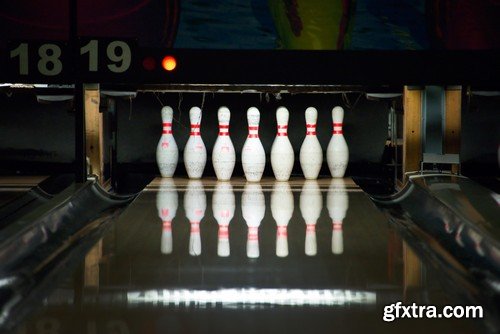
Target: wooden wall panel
453	122
412	129
94	131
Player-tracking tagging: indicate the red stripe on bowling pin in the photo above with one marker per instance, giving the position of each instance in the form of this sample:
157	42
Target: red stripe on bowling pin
282	231
195	130
167	128
224	213
310	129
167	225
253	233
224	130
223	232
253	132
337	129
195	227
282	130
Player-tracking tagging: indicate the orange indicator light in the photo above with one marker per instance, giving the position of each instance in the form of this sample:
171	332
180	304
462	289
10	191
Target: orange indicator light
169	63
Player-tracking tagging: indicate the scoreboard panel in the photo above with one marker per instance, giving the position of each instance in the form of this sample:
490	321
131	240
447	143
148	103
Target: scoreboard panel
122	61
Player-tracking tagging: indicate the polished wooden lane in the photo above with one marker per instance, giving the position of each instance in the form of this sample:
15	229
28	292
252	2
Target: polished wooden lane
239	183
339	267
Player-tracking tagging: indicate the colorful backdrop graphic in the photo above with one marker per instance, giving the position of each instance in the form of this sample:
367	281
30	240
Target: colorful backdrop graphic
265	24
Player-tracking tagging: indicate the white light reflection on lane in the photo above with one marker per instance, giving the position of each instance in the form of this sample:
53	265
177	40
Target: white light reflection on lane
243	297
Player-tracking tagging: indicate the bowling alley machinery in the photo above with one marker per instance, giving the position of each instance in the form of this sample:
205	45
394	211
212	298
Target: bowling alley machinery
260	166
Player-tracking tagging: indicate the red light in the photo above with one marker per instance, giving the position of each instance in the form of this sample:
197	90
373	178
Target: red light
149	63
169	63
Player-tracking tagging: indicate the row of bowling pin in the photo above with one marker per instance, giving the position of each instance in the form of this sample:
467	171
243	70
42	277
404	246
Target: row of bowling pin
253	209
253	156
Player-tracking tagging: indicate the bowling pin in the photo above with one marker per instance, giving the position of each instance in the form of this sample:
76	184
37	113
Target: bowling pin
337	153
223	154
166	203
167	153
282	155
223	205
253	208
195	153
195	204
337	203
253	156
311	203
282	211
311	153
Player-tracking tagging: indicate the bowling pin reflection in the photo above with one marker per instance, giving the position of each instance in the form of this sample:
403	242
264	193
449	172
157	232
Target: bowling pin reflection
223	205
167	203
458	235
311	203
337	203
253	208
195	204
282	211
477	239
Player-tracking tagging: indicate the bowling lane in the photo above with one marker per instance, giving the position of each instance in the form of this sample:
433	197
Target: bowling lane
205	256
12	187
19	195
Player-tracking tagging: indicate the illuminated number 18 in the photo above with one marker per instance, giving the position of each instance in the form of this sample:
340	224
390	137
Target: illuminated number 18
22	52
49	63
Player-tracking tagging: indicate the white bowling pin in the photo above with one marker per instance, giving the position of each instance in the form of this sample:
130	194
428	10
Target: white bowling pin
253	156
167	203
311	203
167	153
337	153
337	203
282	155
223	205
195	153
311	153
253	208
282	211
223	154
195	204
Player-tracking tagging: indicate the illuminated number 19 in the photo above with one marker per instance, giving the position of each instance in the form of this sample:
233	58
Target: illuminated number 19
123	56
91	49
117	51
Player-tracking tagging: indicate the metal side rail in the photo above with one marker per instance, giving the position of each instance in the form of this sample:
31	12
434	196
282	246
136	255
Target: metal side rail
24	292
22	205
462	216
34	197
53	223
46	247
